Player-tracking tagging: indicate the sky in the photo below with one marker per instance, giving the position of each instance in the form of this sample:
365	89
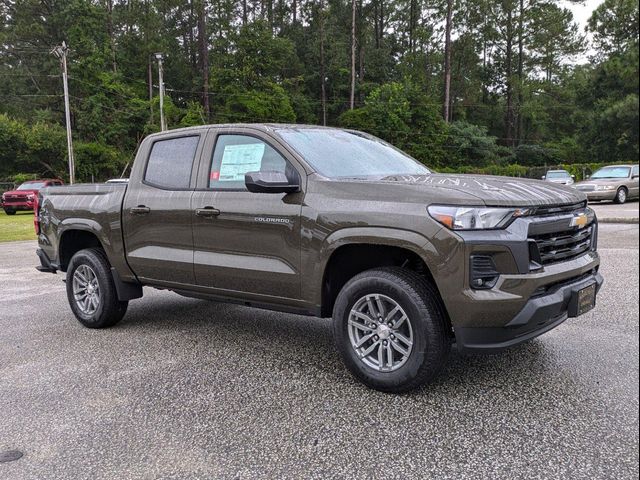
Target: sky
581	13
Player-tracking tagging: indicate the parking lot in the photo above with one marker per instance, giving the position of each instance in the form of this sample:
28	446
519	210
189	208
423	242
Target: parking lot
185	388
612	213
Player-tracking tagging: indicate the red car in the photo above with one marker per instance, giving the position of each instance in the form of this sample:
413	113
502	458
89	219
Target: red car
23	197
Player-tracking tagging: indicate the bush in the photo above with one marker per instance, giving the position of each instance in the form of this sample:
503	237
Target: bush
270	104
500	170
532	155
405	117
46	150
471	145
19	178
12	144
97	162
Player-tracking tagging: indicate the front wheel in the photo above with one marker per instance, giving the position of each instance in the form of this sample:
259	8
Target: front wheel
391	329
91	292
9	211
621	196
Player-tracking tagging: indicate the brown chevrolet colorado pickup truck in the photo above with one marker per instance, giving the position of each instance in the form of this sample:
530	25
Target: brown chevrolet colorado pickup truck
329	223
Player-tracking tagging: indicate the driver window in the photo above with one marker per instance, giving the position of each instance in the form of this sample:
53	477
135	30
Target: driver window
235	155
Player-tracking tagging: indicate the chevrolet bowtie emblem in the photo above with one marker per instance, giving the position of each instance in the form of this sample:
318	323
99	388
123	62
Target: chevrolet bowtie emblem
579	221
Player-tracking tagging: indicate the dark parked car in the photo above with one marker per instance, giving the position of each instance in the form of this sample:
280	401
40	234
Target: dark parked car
329	223
616	182
23	197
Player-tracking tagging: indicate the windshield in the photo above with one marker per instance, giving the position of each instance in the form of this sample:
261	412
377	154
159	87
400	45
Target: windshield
31	186
342	154
557	174
612	172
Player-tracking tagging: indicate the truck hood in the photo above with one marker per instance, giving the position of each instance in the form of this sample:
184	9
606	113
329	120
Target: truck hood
485	189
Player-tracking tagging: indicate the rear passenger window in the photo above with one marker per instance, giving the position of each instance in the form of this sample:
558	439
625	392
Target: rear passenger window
170	162
634	171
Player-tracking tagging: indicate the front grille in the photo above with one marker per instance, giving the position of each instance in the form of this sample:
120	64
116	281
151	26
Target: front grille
586	188
554	210
8	199
561	246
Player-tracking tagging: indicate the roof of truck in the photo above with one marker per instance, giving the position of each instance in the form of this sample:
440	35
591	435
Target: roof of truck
250	126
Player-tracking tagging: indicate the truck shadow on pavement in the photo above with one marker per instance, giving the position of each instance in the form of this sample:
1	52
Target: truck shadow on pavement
284	342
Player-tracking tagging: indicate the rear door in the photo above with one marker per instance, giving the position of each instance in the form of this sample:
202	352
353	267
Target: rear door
156	212
246	244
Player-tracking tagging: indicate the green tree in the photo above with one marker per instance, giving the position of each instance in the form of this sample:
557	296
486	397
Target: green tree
614	25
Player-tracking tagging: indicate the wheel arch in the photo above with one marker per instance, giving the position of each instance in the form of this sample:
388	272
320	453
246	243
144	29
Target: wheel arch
352	251
74	239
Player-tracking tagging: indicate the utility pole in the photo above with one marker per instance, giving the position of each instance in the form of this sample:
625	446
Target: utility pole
447	63
163	125
353	54
150	80
61	51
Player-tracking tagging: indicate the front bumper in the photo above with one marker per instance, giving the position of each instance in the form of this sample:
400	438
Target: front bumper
18	206
601	195
539	315
536	262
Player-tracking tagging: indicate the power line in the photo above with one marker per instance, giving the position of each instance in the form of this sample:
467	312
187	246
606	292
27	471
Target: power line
29	95
114	92
27	75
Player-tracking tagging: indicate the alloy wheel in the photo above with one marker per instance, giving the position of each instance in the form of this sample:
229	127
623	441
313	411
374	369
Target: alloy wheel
86	290
380	332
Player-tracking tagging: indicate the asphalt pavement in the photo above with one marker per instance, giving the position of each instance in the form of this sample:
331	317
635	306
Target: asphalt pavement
185	389
609	212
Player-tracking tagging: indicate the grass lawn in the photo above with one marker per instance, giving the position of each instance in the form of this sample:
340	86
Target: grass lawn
16	227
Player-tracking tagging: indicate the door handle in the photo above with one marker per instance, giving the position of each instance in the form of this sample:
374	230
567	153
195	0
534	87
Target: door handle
207	212
140	210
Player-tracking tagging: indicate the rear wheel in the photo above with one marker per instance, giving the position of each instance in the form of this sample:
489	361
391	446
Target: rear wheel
391	329
621	195
91	291
9	211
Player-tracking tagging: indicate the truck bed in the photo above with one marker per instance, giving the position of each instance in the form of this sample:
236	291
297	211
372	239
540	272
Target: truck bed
93	208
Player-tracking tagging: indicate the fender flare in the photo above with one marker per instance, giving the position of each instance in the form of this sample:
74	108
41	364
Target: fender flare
383	236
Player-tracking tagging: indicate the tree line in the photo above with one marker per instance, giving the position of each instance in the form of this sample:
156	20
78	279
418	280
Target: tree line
458	84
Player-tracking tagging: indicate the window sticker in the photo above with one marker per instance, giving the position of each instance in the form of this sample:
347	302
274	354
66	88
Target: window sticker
240	159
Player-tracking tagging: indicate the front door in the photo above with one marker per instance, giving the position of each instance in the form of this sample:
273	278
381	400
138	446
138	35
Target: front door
246	244
156	212
633	185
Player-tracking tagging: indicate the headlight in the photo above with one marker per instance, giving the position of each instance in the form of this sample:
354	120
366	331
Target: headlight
31	196
475	218
605	187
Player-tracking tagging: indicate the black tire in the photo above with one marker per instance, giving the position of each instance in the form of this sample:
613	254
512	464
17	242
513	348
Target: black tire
9	211
110	310
422	305
621	196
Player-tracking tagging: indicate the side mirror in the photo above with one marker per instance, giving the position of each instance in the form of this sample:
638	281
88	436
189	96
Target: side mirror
270	182
544	177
